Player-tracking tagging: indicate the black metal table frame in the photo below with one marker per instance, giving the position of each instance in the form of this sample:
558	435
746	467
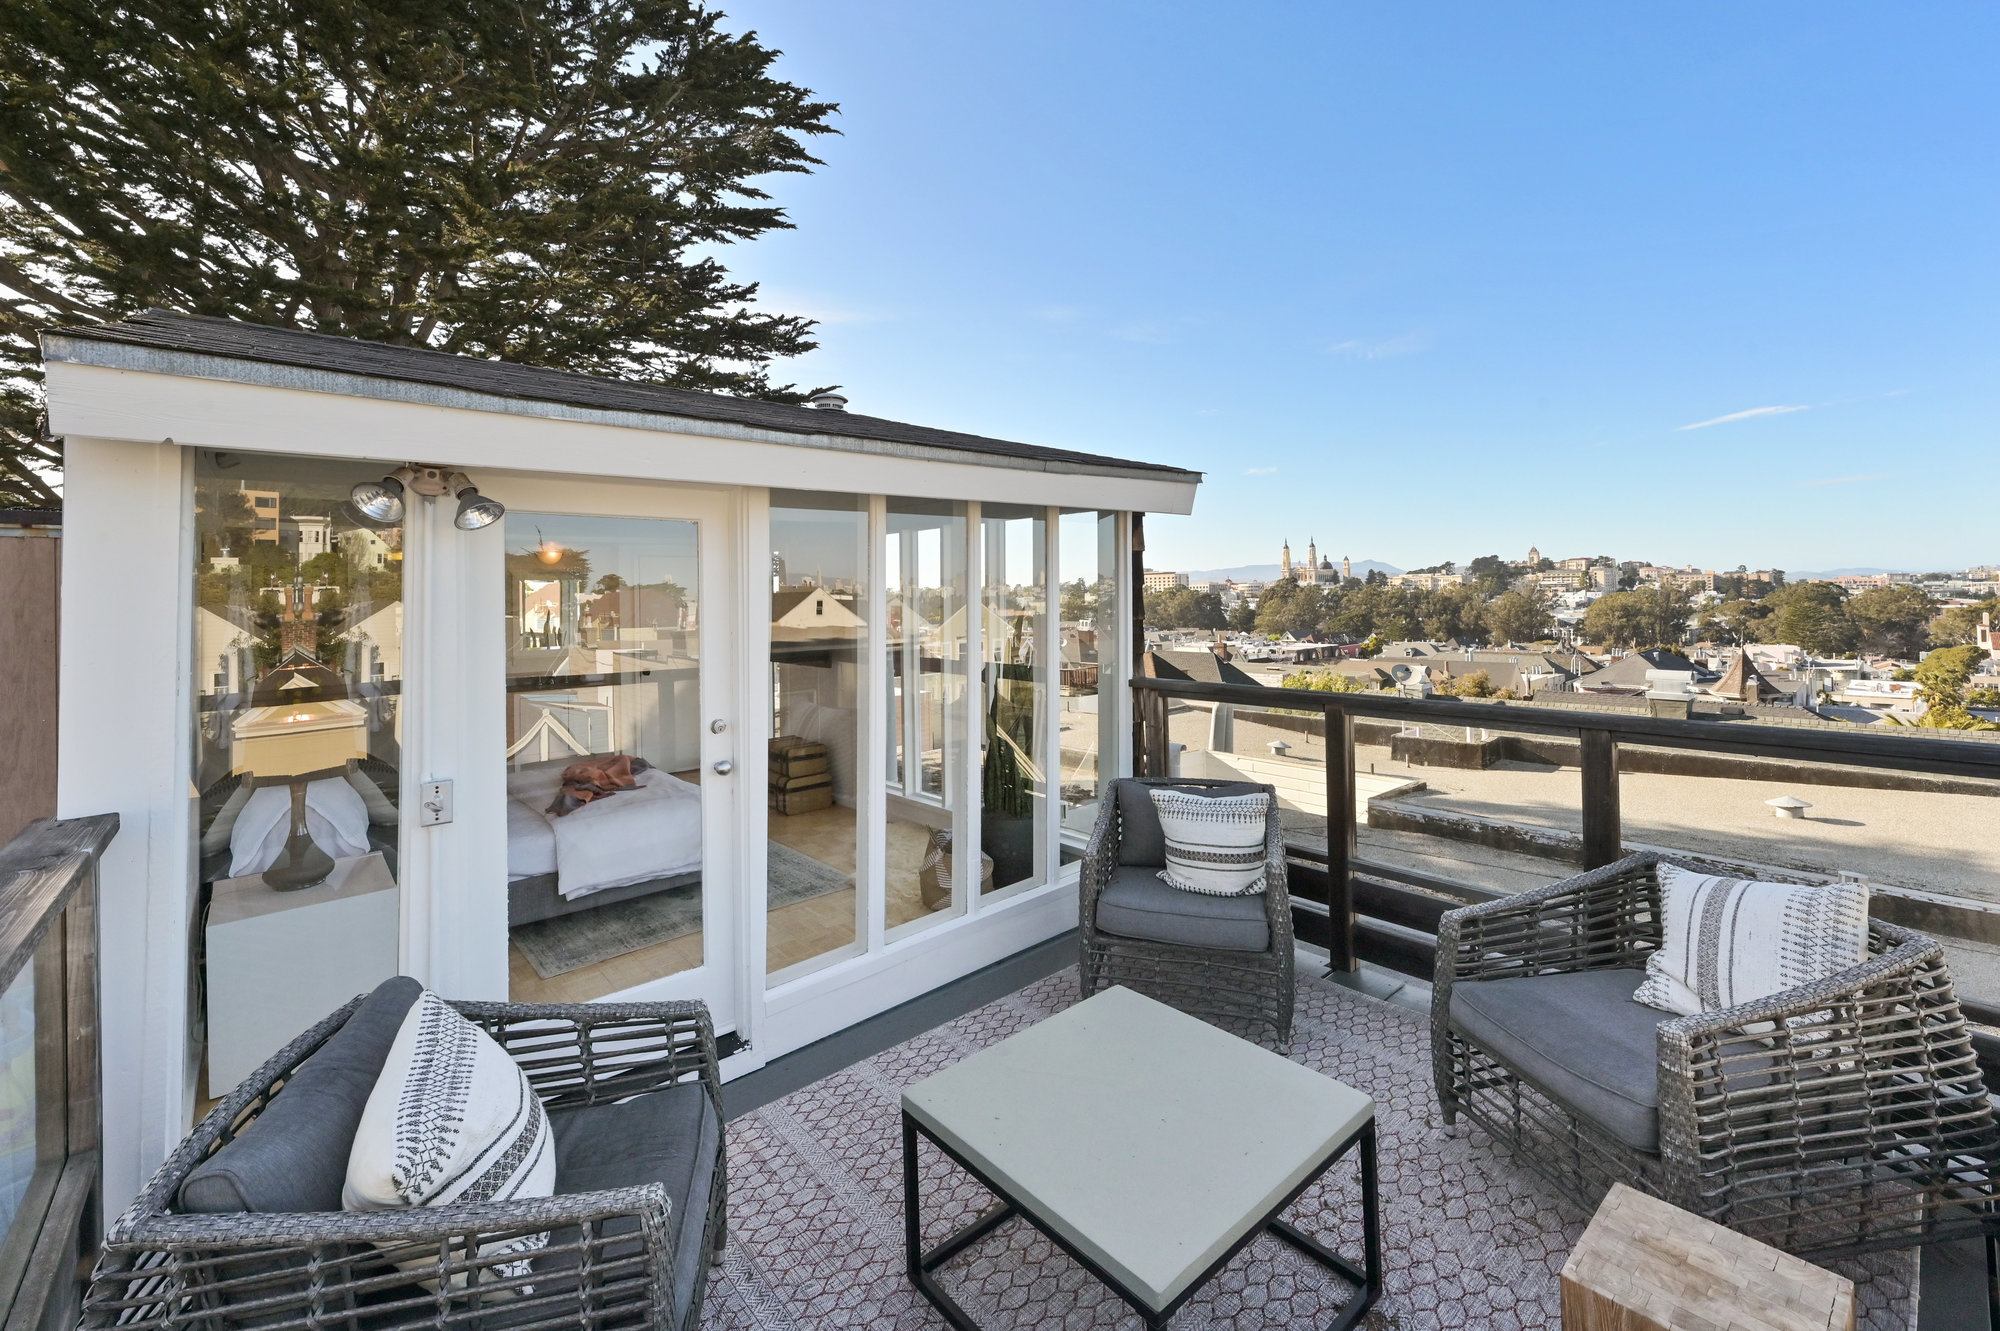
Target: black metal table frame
1367	1278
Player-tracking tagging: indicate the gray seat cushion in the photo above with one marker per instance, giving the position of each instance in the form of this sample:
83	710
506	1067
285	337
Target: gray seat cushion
671	1137
1136	904
1141	840
293	1155
1578	1036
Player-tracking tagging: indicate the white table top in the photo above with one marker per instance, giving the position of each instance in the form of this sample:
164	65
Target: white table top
249	897
1148	1139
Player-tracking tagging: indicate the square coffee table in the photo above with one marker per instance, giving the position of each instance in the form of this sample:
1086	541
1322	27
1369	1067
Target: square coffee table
1146	1144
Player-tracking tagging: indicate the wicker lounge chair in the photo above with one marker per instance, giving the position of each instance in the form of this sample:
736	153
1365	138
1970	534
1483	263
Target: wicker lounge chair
628	1240
1866	1128
1228	959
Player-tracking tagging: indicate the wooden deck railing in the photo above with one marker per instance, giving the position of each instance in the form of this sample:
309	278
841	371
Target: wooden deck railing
51	1119
1359	910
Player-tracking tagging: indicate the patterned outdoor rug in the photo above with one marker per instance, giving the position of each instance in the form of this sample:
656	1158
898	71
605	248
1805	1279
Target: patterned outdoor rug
571	942
1470	1241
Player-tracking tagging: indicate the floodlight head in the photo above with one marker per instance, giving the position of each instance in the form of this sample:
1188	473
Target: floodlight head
379	501
474	510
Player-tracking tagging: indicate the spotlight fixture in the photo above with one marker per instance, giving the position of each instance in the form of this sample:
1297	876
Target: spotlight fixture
382	502
474	511
379	501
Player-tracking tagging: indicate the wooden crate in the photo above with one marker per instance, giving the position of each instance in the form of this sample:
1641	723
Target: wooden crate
1646	1266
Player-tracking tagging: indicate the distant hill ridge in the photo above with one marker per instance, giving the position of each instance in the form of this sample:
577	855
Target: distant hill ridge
1269	572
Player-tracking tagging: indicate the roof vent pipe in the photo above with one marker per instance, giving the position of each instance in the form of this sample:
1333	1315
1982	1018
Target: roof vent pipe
827	402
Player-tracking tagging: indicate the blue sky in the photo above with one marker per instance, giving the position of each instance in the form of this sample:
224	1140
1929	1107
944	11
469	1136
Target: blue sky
1707	284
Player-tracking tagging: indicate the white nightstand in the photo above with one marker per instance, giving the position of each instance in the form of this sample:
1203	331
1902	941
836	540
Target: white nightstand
278	962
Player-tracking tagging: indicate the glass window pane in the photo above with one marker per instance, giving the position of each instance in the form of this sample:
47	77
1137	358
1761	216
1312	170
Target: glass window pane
1087	548
20	1147
819	594
604	809
924	568
1013	779
297	752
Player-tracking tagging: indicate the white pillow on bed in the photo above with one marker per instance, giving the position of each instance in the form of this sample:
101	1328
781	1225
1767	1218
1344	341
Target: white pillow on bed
336	820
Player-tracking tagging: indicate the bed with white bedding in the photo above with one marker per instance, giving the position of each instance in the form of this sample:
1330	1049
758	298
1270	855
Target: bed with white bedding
628	845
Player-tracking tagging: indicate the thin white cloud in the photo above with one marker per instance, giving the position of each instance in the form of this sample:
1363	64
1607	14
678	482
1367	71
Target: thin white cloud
1744	416
816	307
1847	480
1058	314
1258	471
1403	344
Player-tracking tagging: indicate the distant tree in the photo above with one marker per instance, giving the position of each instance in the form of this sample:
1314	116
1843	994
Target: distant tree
609	583
541	181
1184	608
1811	615
1544	564
1290	607
1079	601
1376	578
1960	624
1243	616
1477	684
1894	620
1451	612
1639	618
1488	575
1732	622
1517	616
1942	677
1324	681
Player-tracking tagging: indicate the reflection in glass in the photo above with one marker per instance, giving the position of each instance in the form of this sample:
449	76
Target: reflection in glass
1087	546
924	569
819	591
604	812
297	752
19	1145
1014	675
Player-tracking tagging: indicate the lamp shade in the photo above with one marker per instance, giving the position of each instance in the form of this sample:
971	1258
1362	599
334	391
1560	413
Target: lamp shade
379	501
475	511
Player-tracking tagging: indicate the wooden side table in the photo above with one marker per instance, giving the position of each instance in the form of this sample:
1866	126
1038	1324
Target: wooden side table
1646	1266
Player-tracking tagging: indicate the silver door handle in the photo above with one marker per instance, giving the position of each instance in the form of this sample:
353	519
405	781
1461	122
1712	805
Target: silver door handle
723	767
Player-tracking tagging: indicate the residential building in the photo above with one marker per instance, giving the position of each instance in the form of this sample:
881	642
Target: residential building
264	511
1159	580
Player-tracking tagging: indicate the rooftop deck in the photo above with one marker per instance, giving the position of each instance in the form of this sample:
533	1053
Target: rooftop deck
1471	1239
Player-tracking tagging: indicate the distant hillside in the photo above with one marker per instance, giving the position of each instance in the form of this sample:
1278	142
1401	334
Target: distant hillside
1825	574
1267	572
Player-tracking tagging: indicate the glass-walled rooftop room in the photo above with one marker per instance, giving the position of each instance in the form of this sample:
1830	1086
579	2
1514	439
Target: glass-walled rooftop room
937	714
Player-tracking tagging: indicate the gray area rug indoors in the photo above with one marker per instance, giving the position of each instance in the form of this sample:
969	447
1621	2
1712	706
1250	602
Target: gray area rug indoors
556	947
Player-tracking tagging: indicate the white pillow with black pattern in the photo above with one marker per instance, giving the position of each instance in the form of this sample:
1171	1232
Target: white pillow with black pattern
1731	940
451	1119
1215	844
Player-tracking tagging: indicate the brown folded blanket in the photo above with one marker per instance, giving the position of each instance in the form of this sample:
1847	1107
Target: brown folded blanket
596	778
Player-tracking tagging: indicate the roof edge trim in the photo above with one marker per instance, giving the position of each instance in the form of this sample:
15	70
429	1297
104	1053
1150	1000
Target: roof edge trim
68	347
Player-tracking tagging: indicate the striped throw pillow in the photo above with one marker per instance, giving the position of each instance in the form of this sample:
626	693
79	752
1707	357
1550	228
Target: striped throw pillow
1732	940
1215	845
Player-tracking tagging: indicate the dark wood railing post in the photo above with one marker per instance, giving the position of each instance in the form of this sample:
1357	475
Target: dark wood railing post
1340	819
1603	839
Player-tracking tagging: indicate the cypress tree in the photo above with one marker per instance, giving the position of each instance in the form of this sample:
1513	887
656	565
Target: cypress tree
542	181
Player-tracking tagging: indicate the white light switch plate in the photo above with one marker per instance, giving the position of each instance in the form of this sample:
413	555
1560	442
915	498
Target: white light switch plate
434	803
